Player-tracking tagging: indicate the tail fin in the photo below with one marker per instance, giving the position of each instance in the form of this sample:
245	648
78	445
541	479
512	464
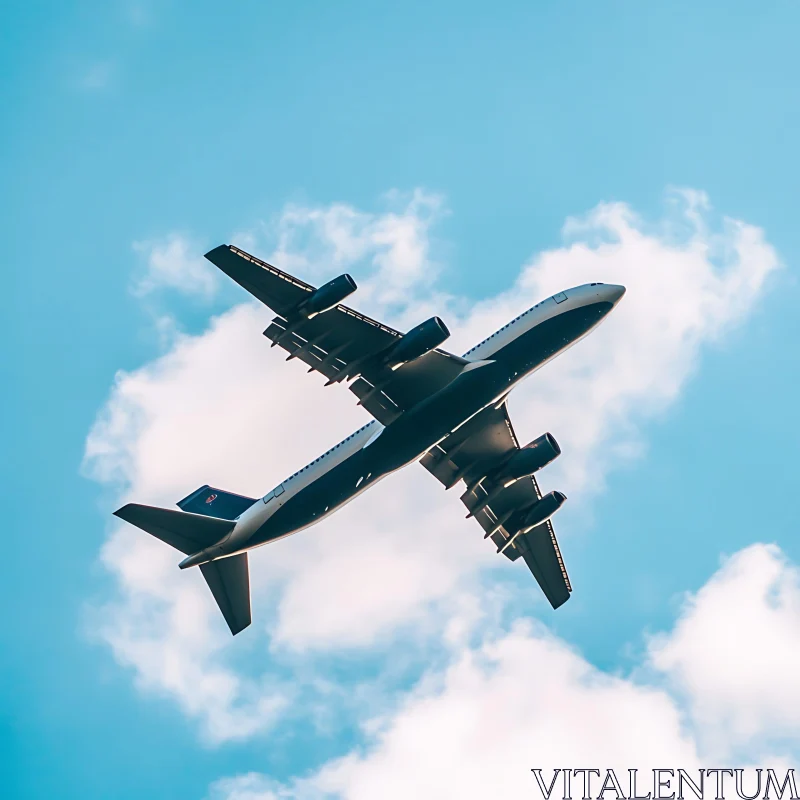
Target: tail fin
185	532
213	502
229	581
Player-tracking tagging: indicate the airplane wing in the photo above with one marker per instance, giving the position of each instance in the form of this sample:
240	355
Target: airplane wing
468	454
338	339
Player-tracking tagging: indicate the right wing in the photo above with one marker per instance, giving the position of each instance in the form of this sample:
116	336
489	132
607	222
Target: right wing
469	454
337	341
229	581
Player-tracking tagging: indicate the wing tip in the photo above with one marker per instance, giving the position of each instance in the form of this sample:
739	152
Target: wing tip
124	512
216	251
238	627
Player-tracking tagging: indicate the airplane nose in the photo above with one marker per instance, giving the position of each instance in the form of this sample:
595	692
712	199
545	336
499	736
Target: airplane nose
615	293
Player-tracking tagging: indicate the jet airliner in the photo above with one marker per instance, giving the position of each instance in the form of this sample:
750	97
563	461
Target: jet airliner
445	411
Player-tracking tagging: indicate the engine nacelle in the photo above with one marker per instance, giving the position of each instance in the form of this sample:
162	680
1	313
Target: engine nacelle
536	514
327	296
531	458
425	337
542	510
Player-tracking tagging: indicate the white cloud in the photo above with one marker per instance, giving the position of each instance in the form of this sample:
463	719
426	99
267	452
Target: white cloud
166	630
222	408
735	650
525	699
394	245
175	262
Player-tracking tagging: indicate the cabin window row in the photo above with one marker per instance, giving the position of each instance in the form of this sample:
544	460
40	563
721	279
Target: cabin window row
328	452
525	313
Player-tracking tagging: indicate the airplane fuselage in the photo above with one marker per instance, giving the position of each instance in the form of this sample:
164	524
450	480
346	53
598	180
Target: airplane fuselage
495	366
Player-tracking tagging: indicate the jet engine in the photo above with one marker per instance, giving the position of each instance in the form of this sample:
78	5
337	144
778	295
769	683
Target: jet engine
536	514
425	337
531	458
327	296
542	510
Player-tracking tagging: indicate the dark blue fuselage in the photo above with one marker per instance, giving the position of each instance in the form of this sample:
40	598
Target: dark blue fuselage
417	430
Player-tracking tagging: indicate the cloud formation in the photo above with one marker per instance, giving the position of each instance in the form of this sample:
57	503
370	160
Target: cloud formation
524	699
174	262
734	651
221	408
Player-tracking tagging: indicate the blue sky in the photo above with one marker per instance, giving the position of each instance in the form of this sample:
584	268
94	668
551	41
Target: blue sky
130	123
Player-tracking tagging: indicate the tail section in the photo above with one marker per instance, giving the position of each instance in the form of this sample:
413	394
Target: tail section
229	581
228	578
213	502
185	532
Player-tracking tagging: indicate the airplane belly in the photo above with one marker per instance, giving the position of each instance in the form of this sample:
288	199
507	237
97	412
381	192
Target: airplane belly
412	434
319	499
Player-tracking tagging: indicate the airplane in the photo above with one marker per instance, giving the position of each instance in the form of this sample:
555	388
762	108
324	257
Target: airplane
446	411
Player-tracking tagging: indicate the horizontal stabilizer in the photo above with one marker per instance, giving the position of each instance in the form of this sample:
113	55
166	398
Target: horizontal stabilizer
213	502
185	532
229	581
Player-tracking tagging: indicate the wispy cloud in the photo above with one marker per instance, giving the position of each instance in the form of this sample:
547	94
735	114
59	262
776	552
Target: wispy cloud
394	246
97	77
174	262
193	416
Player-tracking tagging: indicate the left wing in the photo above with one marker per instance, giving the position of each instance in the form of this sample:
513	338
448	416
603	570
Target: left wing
470	454
339	342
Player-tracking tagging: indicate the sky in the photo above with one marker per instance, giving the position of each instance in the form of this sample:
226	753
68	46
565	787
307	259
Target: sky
460	159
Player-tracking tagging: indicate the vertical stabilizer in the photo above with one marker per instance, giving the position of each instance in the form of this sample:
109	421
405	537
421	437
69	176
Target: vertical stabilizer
218	503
